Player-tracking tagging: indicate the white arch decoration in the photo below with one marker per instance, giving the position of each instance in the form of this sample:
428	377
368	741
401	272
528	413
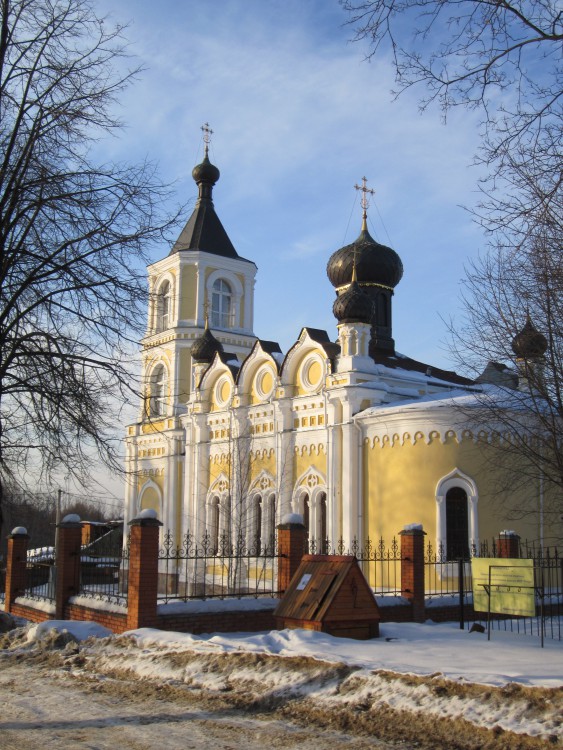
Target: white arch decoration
150	485
313	484
456	478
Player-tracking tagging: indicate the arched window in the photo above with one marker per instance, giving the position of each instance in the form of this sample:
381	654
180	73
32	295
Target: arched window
221	304
271	540
457	524
256	524
158	395
163	306
213	525
322	524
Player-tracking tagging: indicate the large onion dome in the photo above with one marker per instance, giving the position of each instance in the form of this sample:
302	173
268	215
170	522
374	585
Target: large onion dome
205	347
375	263
529	343
353	305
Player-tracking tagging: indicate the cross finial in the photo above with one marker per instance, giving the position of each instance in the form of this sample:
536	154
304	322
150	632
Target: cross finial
206	313
365	200
207	133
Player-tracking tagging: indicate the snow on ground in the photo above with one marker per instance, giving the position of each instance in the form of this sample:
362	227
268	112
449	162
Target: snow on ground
403	647
428	670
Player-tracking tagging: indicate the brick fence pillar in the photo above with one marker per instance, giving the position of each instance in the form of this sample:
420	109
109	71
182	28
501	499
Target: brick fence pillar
69	543
16	566
412	569
292	537
508	544
142	584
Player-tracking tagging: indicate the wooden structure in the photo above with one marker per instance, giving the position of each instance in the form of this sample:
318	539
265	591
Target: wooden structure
330	594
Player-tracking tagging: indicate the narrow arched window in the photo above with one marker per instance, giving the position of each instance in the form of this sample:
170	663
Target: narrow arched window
163	306
158	388
457	524
221	304
214	525
256	540
271	541
322	524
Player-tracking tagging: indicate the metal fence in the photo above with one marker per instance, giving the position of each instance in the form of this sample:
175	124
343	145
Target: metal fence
41	580
380	562
216	567
104	570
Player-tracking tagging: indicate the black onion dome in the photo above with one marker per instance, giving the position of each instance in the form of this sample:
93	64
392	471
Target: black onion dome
205	347
375	263
353	305
205	172
529	343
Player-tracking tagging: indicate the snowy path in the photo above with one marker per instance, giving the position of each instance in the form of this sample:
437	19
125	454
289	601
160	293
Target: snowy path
43	709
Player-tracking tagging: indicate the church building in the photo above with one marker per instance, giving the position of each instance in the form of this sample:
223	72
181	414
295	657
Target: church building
233	433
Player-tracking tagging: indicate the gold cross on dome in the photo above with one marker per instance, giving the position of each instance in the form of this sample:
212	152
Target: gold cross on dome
207	133
365	200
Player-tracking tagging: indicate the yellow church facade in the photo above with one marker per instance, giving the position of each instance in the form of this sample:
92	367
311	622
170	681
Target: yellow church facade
233	434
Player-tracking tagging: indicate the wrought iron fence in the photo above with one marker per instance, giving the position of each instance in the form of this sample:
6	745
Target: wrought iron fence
380	562
104	571
41	580
217	567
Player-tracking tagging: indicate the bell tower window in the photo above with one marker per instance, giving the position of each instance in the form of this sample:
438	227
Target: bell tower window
158	386
221	304
163	307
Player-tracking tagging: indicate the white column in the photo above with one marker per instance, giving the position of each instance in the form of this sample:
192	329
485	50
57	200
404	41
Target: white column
350	489
131	481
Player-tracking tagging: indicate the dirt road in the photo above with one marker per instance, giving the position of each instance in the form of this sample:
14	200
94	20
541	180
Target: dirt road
45	707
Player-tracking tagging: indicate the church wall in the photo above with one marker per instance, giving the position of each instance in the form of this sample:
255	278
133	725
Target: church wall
400	484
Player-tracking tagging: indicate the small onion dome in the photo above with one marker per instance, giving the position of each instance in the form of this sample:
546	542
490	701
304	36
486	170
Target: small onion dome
353	305
375	263
205	347
205	172
529	343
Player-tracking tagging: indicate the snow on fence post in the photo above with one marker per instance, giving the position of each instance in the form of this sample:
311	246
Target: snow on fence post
412	568
16	566
508	544
142	592
292	536
69	543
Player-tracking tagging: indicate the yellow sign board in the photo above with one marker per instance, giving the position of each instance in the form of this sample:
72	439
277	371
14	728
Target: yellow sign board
510	583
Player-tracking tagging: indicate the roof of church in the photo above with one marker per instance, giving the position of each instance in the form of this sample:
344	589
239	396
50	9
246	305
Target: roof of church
204	230
402	362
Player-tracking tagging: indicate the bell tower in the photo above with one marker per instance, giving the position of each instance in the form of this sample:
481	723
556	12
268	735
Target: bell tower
202	272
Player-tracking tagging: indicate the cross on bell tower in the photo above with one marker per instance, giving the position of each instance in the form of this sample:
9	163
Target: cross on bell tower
207	133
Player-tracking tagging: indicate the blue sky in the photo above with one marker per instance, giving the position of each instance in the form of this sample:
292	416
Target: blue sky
299	116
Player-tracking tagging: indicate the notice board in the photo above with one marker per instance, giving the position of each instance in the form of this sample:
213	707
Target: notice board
512	588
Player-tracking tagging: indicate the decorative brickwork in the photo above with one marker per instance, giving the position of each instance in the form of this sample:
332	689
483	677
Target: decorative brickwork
68	564
292	539
412	570
143	573
508	544
16	564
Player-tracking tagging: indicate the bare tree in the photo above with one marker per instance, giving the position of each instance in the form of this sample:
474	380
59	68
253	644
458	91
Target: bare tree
73	239
501	56
513	304
503	59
